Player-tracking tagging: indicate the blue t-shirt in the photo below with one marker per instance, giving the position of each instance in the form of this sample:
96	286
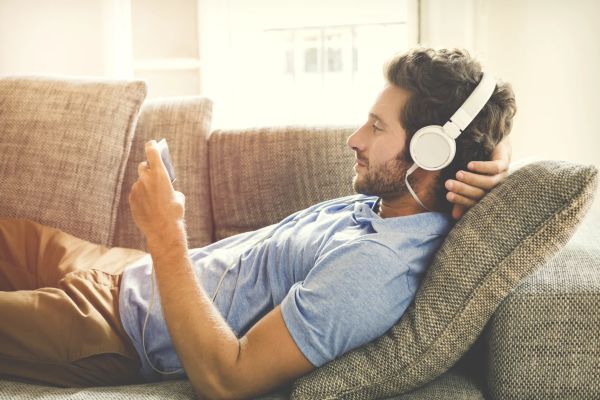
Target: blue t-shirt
342	274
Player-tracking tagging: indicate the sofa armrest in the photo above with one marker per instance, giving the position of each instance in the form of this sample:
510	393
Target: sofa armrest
544	339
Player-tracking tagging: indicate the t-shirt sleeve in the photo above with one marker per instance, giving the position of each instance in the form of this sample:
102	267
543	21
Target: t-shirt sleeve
352	295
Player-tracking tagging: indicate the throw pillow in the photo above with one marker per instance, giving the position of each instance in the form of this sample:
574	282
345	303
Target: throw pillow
185	123
63	146
514	230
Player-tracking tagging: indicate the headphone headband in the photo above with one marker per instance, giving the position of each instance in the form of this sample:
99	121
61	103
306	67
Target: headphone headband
471	107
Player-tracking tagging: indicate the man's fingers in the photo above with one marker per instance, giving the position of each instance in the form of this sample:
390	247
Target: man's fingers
488	167
180	197
155	162
458	199
484	182
153	154
465	190
458	211
143	166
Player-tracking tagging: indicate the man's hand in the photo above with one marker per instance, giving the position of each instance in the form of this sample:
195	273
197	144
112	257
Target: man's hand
470	187
157	209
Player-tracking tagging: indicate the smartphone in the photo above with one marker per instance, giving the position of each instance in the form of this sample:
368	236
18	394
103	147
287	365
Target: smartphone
166	158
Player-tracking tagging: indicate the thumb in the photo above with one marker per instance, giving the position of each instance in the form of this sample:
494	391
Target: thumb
180	197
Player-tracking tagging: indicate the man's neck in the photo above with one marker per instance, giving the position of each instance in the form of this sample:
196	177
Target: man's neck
404	205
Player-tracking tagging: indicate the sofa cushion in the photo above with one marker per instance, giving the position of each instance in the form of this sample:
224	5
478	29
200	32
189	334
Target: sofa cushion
543	339
276	171
185	123
508	235
455	385
64	145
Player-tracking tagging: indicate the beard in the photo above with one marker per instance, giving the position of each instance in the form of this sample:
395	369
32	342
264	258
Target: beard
385	180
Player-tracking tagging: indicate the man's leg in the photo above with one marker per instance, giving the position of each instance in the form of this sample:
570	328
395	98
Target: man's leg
59	317
34	256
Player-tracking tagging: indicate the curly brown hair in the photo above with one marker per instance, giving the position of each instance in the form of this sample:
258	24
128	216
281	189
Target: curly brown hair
439	81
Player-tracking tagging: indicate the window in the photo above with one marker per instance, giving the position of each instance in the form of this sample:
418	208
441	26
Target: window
286	62
270	62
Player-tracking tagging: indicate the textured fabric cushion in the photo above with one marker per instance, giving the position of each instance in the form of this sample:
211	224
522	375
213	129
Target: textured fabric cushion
185	123
508	235
173	390
453	385
63	146
259	176
544	339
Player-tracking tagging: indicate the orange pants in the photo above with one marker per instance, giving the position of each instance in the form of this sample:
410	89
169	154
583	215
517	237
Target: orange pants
59	316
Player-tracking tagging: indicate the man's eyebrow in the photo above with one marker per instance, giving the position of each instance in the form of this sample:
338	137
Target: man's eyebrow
377	117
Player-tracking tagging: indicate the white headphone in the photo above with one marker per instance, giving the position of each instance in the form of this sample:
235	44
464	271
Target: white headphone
433	147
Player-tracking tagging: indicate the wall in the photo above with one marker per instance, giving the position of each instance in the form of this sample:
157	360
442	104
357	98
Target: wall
549	51
51	37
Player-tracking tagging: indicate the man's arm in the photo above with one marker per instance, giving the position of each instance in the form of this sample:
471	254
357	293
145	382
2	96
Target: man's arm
218	364
470	187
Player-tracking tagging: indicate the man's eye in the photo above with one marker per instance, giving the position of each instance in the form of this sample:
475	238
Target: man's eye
376	128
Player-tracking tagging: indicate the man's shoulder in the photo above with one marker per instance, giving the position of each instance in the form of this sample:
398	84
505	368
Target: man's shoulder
359	254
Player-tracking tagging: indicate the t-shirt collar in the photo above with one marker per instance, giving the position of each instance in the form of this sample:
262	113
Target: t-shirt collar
427	223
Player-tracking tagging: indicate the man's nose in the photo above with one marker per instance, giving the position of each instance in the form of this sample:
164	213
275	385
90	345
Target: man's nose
355	141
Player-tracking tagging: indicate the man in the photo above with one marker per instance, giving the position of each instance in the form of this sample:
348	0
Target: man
254	311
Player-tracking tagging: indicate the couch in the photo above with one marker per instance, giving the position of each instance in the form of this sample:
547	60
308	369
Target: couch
542	341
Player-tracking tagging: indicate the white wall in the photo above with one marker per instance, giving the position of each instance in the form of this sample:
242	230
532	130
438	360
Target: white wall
550	52
51	37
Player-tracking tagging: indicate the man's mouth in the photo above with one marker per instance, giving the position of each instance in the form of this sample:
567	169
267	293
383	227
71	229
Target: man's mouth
361	161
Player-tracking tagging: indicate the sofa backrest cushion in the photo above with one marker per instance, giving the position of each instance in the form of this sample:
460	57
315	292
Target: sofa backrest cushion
259	176
185	123
64	145
514	230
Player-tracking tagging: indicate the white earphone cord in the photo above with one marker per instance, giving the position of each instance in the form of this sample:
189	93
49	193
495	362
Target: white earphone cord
214	296
410	189
144	334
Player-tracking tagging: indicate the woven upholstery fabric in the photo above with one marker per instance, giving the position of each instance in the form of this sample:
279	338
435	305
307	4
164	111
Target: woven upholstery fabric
508	235
185	123
453	385
260	176
172	390
63	146
544	341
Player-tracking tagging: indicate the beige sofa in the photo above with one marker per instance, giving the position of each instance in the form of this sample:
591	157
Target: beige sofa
238	180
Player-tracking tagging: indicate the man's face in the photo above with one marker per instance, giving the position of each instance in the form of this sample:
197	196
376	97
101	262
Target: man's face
379	147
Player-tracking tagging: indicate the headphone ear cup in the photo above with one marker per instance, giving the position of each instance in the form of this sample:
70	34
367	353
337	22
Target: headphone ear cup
431	148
